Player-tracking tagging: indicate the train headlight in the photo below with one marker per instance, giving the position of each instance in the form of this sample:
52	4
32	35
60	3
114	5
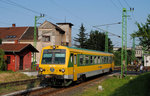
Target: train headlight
63	70
41	69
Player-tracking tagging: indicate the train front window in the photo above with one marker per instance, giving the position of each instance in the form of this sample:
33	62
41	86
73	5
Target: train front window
56	56
47	58
59	58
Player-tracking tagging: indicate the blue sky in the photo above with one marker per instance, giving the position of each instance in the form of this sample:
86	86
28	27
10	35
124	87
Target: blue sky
88	12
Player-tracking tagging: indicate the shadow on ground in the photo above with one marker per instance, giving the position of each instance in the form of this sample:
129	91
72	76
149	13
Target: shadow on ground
139	86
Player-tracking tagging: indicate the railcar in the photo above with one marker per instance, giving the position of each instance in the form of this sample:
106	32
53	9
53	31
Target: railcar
61	65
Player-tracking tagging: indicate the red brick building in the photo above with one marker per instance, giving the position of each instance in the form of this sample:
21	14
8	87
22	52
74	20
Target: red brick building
18	56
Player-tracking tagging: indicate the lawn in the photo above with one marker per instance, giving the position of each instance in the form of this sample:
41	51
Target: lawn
129	86
9	76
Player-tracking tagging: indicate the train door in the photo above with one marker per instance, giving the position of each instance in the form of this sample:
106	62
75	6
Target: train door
74	67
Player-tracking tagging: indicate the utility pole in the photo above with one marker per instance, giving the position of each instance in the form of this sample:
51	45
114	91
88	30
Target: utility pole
124	40
35	36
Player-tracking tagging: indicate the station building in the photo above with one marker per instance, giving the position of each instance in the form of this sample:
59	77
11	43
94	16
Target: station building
47	34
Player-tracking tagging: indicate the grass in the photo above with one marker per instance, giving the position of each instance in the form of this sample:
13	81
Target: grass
129	86
9	76
9	89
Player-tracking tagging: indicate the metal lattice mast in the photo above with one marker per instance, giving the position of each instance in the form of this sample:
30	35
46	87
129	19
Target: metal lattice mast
35	36
133	49
106	41
124	41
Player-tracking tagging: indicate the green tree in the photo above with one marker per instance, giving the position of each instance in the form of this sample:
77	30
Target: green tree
117	57
2	61
81	37
143	33
96	41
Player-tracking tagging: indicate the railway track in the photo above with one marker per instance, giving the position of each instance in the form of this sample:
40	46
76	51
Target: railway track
17	83
60	91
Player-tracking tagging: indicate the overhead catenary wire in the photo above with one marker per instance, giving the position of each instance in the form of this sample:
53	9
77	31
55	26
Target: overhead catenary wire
132	12
25	8
120	3
115	5
67	10
127	3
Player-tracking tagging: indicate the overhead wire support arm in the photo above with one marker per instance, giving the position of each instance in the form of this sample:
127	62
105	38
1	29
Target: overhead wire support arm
106	33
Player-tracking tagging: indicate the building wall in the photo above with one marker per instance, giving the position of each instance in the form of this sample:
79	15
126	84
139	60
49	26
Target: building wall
147	60
138	51
14	62
67	37
27	61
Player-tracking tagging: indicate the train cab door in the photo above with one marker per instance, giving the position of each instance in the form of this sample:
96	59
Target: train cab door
74	66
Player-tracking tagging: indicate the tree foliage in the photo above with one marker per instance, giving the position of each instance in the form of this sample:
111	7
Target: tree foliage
96	41
143	33
117	57
81	37
2	61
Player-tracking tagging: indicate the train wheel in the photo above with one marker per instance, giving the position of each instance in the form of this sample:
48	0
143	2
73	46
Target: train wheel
82	78
110	70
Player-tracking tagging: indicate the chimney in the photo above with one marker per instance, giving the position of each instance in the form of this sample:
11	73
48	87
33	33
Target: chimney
67	27
13	25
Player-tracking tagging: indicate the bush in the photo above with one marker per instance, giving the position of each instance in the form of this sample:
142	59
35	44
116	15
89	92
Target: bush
3	65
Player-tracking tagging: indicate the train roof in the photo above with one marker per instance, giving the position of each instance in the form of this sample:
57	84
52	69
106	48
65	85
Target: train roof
88	50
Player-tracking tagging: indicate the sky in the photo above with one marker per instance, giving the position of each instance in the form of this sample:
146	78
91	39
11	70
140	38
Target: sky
89	12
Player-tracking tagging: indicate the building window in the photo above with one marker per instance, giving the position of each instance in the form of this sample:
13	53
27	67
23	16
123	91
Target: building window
8	59
45	38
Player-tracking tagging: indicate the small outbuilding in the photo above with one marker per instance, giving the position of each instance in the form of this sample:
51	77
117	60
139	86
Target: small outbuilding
18	56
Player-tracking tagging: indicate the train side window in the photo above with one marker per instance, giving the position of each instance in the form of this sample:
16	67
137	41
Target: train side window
99	60
71	58
95	58
105	59
75	58
111	59
87	59
102	59
108	58
84	60
91	59
81	59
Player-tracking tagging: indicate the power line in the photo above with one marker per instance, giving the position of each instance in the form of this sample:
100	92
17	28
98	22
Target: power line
120	4
18	5
127	4
4	23
25	8
115	5
67	10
